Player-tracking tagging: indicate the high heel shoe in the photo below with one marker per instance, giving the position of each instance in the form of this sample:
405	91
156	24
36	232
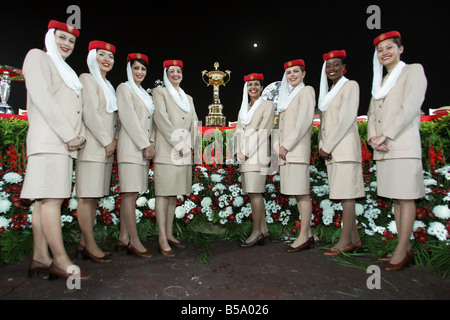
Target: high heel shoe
177	244
89	256
166	253
35	267
402	264
133	251
258	240
337	252
267	238
304	246
55	273
120	246
78	251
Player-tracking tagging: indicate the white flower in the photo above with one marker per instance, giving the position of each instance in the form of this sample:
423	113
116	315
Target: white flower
429	182
180	212
216	178
139	215
5	205
151	203
326	204
419	224
392	227
107	203
196	188
12	177
238	201
292	201
442	212
73	204
4	223
141	201
206	202
438	230
359	209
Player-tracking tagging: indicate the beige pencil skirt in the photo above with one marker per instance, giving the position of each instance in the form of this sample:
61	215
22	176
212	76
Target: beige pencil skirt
400	179
48	176
345	180
93	179
294	179
253	182
172	180
133	177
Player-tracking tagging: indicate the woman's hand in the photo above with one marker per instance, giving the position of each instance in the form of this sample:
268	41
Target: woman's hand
149	152
379	143
324	155
240	157
111	148
76	144
282	152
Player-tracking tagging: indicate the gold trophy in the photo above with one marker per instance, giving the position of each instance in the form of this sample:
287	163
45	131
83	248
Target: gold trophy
216	79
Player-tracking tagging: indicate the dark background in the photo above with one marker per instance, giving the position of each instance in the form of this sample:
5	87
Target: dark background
203	32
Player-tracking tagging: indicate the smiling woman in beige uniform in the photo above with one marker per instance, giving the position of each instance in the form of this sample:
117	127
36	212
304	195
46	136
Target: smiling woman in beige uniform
135	150
253	152
393	132
340	145
296	107
176	123
94	163
54	137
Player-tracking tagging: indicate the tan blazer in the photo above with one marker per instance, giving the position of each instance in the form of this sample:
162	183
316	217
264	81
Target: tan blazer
136	129
253	140
101	126
295	127
54	110
339	134
174	128
398	115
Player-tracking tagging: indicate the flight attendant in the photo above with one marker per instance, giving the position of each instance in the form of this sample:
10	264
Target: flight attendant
175	121
253	152
296	113
393	133
55	135
95	161
340	145
135	150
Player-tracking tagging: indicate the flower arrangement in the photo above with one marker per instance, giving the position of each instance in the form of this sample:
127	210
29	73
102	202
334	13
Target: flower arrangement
218	205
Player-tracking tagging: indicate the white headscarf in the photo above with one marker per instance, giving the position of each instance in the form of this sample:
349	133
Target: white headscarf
285	96
179	96
325	96
69	76
139	91
381	91
245	114
108	89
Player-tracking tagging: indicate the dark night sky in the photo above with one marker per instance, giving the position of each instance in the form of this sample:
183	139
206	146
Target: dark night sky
201	33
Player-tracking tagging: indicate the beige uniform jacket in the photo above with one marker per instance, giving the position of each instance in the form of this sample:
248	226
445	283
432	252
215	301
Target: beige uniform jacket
398	115
339	134
54	110
136	127
101	126
253	140
175	128
295	127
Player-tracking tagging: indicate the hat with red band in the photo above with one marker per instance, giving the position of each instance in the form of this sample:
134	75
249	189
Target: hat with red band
293	63
137	56
53	24
334	54
387	35
253	77
170	63
102	46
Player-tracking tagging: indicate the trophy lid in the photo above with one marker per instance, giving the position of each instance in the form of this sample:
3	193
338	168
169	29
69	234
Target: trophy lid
14	73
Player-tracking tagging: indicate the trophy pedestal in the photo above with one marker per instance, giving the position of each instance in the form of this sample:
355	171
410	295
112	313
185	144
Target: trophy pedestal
216	117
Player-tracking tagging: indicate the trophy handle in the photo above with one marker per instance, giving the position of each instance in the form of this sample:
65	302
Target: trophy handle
204	72
228	72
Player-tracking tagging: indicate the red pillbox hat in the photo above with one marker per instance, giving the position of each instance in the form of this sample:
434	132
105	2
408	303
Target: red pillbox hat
334	54
53	24
387	35
102	46
137	56
170	63
293	63
253	77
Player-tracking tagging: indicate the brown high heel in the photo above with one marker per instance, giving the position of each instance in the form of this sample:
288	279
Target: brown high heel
35	267
402	264
166	253
120	246
89	256
258	240
55	273
337	252
267	238
177	244
305	246
133	251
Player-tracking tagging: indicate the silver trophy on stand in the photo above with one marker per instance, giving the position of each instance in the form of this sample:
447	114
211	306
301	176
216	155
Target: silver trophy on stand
5	90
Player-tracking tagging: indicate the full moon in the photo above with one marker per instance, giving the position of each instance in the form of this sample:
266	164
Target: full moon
255	45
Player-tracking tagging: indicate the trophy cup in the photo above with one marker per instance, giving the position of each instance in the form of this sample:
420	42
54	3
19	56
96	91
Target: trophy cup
7	74
216	79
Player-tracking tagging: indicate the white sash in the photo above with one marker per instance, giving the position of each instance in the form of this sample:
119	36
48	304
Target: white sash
179	96
285	98
381	91
245	114
140	92
325	96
